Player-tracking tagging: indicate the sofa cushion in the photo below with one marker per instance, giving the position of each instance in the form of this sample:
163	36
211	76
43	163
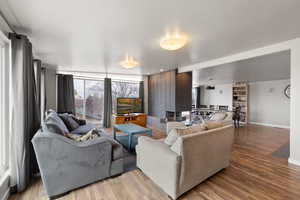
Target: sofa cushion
79	121
69	121
228	116
171	137
177	132
81	130
198	128
52	127
54	124
218	116
213	124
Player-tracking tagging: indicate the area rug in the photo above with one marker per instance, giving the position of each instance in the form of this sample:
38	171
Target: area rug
283	151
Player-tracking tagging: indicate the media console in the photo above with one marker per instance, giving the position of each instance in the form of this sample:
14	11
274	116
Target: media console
136	118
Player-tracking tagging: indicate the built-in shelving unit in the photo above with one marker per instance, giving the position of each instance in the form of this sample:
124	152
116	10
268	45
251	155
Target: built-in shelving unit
240	97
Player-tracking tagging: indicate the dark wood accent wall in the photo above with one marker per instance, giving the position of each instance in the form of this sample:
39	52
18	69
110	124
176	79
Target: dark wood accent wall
184	85
170	91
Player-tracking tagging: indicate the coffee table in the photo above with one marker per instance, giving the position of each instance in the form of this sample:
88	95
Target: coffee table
130	129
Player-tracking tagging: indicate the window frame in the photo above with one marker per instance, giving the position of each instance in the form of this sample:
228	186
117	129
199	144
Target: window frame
85	95
124	81
84	79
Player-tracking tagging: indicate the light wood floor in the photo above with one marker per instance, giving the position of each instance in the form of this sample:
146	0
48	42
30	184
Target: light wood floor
253	174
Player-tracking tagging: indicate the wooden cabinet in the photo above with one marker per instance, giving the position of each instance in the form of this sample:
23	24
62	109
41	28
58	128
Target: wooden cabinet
136	118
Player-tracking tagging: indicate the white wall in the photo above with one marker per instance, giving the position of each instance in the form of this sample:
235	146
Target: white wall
221	95
295	103
267	103
294	47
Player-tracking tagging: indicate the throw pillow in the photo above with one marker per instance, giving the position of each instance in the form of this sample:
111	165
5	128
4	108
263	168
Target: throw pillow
198	128
218	116
92	134
54	123
69	121
81	122
177	132
171	137
53	128
213	124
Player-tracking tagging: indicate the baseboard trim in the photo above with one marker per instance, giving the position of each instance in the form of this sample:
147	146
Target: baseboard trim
294	162
270	125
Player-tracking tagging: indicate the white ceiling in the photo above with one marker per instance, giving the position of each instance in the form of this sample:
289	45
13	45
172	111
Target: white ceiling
92	35
264	68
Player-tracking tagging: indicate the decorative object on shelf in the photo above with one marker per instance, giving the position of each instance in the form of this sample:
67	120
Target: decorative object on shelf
129	62
173	41
287	91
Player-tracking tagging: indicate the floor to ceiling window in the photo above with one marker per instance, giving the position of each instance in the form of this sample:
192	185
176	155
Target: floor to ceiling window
123	89
89	100
89	97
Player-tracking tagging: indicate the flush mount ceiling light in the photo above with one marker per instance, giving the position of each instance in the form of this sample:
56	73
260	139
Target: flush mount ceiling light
129	62
173	41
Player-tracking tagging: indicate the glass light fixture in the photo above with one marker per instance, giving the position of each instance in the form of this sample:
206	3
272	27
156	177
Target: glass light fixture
129	62
173	41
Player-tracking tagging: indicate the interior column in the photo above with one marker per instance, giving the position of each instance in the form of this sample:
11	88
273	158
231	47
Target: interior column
295	104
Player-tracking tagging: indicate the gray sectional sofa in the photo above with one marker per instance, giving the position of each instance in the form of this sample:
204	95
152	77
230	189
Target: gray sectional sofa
66	164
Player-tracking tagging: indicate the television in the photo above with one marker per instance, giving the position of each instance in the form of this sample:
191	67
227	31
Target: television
129	105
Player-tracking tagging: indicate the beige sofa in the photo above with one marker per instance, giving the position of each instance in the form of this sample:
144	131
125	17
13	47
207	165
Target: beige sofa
226	120
189	161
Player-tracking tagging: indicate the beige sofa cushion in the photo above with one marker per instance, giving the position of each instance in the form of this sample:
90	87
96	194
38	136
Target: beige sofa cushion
213	124
219	116
198	128
228	116
177	132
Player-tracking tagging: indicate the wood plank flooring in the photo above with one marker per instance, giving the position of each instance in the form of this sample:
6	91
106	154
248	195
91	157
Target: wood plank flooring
254	174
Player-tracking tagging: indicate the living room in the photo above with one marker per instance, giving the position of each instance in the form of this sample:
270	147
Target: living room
149	100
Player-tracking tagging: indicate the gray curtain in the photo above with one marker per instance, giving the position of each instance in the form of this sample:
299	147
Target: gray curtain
43	93
65	94
107	103
37	65
25	119
141	93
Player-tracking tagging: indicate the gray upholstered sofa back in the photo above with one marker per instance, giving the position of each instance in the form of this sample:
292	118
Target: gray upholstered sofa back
66	164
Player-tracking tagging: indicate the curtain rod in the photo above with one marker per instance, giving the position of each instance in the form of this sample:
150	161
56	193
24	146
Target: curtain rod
101	79
95	72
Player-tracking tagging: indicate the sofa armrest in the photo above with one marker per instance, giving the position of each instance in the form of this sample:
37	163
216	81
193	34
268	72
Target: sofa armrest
69	163
158	148
159	162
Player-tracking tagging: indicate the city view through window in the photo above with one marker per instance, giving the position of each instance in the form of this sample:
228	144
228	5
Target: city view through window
89	97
